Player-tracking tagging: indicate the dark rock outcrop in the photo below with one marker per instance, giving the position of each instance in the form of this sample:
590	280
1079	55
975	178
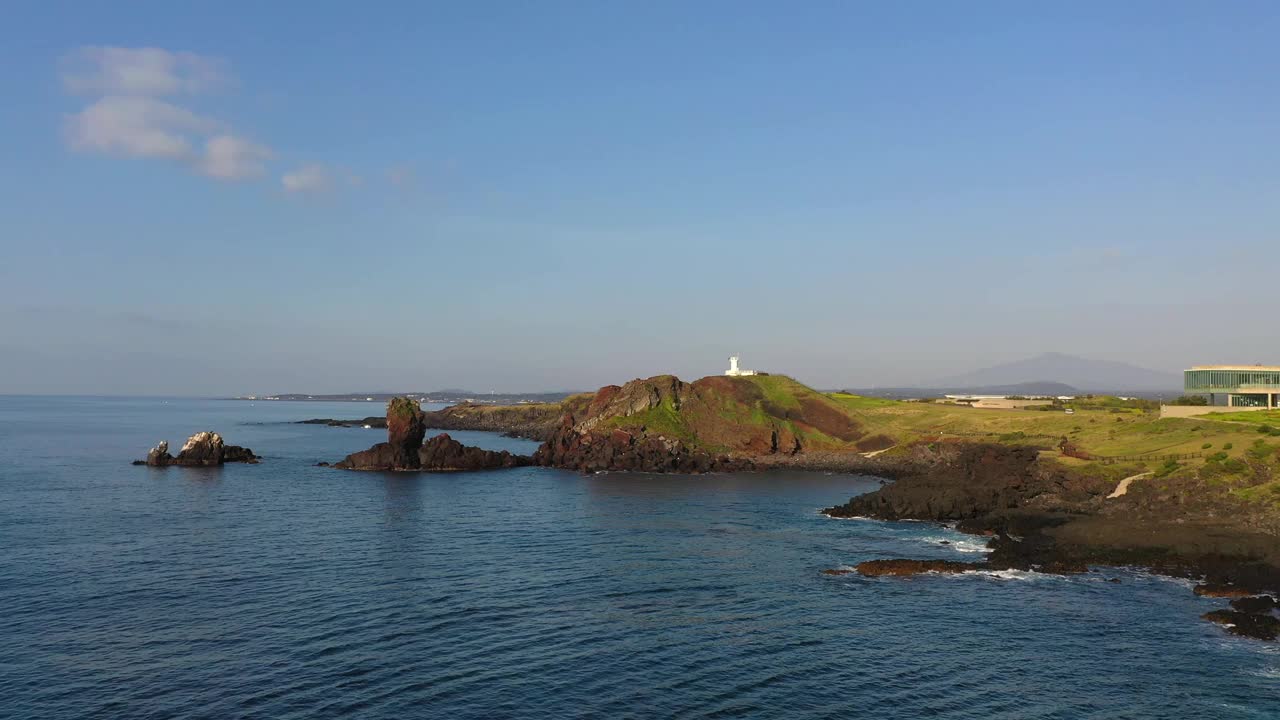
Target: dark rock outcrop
1255	604
1218	590
371	422
405	450
203	449
444	454
876	568
1254	625
955	482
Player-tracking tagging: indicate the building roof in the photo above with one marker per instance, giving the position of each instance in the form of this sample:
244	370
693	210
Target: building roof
1243	368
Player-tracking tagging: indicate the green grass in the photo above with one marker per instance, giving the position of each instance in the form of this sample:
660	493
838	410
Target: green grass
861	402
1267	493
1257	417
661	420
780	390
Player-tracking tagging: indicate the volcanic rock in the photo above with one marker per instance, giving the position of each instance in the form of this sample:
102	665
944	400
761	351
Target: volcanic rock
617	449
203	449
1259	626
876	568
1255	604
442	453
1221	591
405	450
405	430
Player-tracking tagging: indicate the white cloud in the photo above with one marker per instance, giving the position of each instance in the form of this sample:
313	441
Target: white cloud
99	70
134	114
311	178
136	127
130	120
227	157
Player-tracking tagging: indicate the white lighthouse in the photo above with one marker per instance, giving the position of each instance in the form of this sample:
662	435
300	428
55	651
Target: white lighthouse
734	370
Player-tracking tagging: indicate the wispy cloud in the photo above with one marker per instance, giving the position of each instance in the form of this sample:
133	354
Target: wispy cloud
130	120
308	179
228	157
99	70
136	126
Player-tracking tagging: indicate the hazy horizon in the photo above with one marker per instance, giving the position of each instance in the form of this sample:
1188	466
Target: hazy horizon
567	195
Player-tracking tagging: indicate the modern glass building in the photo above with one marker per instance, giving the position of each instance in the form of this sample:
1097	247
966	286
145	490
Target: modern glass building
1235	385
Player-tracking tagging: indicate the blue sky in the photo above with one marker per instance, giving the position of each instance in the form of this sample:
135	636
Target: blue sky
208	198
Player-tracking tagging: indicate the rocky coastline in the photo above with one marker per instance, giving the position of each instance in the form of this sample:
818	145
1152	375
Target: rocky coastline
1043	517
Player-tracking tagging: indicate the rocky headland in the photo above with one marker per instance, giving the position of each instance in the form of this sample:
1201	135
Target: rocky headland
203	449
663	424
405	449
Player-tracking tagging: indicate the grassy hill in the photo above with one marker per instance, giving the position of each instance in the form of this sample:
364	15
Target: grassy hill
754	415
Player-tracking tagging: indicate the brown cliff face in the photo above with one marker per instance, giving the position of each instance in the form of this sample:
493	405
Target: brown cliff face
620	450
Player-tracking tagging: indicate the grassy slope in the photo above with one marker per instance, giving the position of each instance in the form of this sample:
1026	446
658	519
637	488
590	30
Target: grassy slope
1237	457
727	410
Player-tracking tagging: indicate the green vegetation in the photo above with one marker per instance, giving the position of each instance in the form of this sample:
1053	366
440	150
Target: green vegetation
1194	400
402	407
860	402
1255	417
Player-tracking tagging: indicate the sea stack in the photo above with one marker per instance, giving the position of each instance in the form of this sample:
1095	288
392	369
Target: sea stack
404	449
406	427
203	449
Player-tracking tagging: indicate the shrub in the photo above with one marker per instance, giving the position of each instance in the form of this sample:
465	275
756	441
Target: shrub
1191	400
1227	446
1206	446
1169	467
1260	451
1266	429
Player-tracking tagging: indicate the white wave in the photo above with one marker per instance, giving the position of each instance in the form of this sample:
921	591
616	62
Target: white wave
963	545
1011	574
1268	672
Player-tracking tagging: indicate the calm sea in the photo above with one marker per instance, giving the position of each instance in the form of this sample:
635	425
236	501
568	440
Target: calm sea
283	590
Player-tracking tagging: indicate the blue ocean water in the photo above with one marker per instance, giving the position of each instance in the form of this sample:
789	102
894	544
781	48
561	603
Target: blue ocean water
284	590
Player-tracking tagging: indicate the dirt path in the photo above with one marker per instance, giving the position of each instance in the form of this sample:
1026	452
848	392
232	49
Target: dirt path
1123	487
874	453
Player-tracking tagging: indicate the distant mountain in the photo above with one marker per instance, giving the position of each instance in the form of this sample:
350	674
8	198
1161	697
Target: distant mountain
1083	373
1029	389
